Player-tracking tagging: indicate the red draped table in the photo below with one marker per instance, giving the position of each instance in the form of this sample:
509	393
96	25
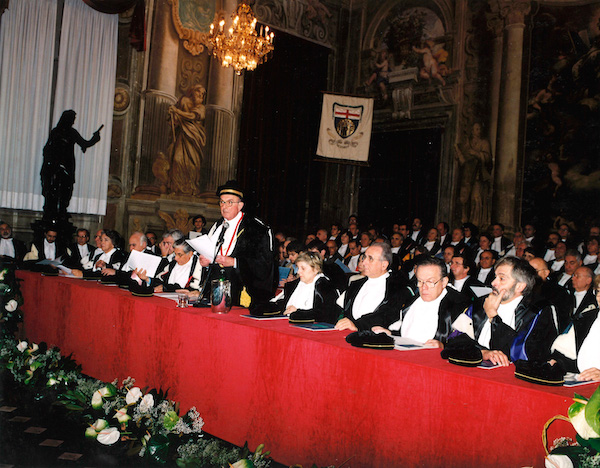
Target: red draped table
309	396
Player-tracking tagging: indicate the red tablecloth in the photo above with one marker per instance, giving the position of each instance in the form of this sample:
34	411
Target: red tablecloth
309	396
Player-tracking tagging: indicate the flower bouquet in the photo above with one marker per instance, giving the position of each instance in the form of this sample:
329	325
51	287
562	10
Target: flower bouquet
584	415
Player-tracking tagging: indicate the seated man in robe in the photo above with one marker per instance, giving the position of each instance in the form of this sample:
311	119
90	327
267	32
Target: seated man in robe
461	267
11	249
428	319
506	325
48	248
375	299
137	241
80	249
577	348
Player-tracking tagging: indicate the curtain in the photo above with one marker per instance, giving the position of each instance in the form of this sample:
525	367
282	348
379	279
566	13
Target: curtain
86	83
27	37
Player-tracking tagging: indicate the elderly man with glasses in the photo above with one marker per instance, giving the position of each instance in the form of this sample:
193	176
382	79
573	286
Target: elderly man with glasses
428	319
375	299
244	249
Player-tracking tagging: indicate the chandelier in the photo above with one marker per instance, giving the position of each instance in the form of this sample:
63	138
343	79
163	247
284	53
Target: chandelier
240	46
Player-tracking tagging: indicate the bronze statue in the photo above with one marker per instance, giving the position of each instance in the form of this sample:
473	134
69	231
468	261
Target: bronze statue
58	168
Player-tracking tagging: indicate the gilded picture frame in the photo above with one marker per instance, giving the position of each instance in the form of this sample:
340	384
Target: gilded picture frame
192	19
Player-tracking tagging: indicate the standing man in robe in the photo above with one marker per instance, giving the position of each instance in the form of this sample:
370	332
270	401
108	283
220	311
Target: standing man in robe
244	246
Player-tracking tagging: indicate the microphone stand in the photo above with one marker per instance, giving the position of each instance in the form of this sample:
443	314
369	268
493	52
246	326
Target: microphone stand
200	302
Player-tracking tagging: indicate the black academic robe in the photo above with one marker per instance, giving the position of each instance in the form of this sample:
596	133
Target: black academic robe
397	295
488	279
531	322
451	306
61	252
324	307
256	262
20	249
115	261
74	260
467	289
582	323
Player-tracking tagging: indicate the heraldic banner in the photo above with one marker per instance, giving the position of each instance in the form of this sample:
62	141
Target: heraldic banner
345	131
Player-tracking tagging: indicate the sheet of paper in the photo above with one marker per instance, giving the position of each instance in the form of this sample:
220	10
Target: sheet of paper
204	246
144	261
194	234
271	317
168	295
481	291
65	270
317	326
55	262
406	344
571	380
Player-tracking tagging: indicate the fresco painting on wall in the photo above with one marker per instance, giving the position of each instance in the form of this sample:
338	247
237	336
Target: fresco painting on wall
408	39
562	163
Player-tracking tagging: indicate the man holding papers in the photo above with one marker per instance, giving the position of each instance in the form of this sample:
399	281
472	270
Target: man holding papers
244	248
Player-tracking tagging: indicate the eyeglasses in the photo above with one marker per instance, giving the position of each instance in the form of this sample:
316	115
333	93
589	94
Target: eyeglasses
227	202
428	283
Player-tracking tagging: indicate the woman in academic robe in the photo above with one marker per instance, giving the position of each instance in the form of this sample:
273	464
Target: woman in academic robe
110	256
310	298
577	349
182	274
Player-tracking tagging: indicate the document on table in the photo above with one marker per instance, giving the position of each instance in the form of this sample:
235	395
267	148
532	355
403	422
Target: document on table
204	246
268	317
571	380
168	295
55	262
317	326
143	261
406	344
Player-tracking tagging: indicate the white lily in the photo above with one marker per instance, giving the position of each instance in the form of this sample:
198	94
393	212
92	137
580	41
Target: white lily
146	403
109	436
133	395
11	305
22	346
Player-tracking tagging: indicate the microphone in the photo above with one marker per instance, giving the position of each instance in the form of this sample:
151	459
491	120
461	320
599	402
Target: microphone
222	235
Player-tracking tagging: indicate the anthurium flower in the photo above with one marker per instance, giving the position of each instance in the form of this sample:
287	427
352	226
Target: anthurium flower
91	433
11	305
22	346
34	347
108	391
170	420
243	463
97	400
122	415
579	422
51	382
109	436
133	395
147	403
100	425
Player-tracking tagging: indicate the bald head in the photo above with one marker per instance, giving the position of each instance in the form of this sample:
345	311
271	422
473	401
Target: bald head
541	267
